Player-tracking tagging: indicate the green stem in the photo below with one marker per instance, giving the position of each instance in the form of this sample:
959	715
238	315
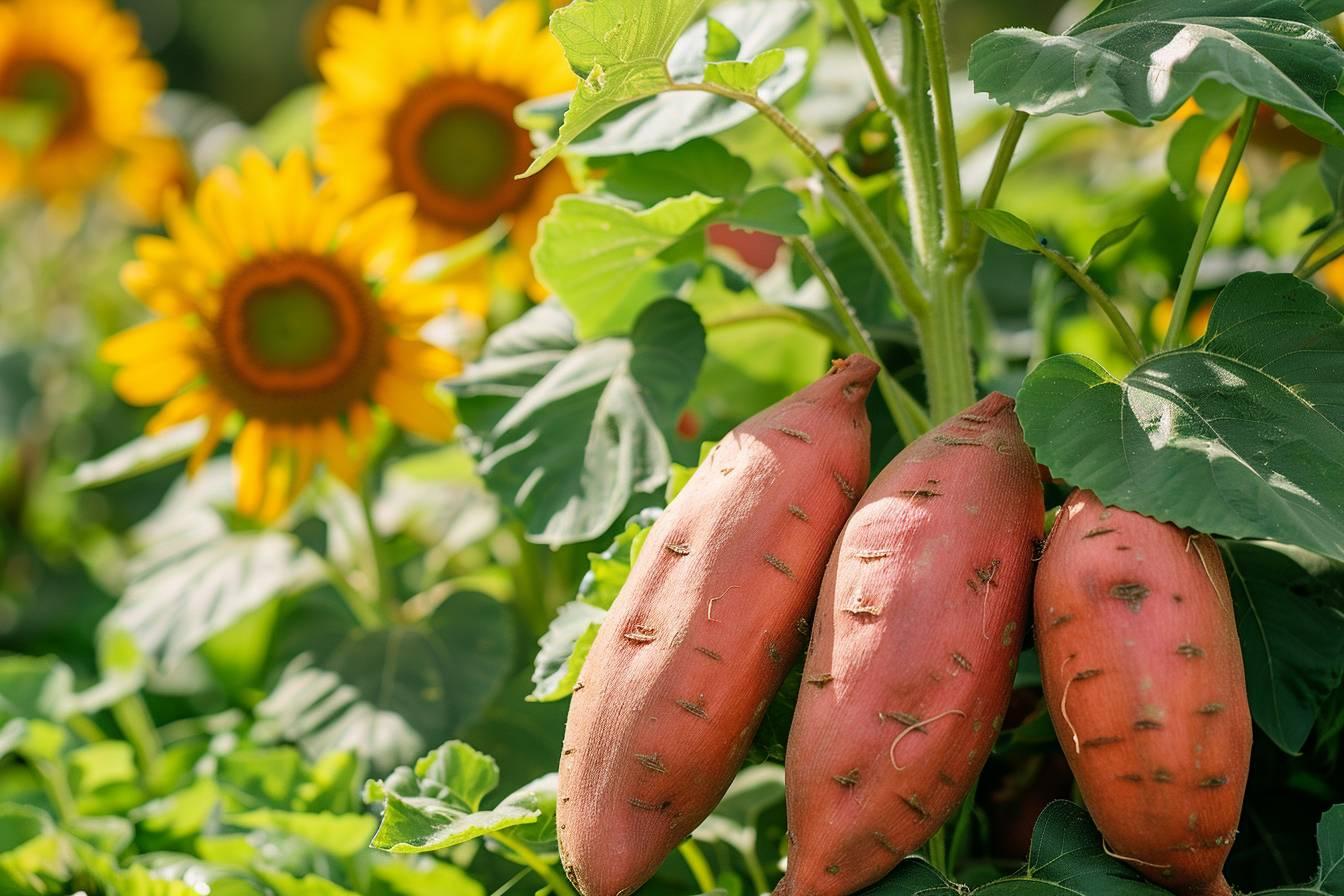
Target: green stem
57	784
883	249
949	162
386	584
1181	306
756	872
1308	271
947	349
700	870
989	196
938	853
136	724
1107	305
86	728
526	856
911	419
919	179
961	831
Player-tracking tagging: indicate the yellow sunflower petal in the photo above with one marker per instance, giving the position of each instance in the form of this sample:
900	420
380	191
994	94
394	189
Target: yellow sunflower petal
214	431
336	453
166	335
185	407
409	404
251	457
155	381
420	360
279	478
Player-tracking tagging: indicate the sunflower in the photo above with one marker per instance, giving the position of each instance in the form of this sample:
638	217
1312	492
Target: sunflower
279	307
77	69
420	99
155	167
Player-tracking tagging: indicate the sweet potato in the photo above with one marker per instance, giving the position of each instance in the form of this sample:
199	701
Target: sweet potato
914	647
1143	676
715	612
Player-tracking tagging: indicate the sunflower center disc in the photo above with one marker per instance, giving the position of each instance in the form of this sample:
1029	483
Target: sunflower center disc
455	147
50	87
290	325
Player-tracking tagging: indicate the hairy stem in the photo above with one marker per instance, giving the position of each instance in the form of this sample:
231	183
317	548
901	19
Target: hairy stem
883	249
912	421
1181	306
989	196
1316	245
935	48
1107	305
1307	271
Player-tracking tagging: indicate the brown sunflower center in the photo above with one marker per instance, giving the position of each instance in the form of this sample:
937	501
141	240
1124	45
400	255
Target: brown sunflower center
455	147
298	338
51	87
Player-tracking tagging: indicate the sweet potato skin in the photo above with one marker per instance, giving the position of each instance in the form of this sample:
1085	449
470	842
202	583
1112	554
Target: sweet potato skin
1143	675
715	612
914	648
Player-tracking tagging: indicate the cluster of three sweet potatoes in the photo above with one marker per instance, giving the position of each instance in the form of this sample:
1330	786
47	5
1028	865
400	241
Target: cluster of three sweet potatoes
912	647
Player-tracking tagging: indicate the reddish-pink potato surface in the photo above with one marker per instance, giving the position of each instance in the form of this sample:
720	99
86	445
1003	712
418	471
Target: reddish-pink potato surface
715	612
1144	679
914	647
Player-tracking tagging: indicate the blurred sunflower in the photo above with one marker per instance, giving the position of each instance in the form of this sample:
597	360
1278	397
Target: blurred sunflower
76	70
420	99
278	305
155	167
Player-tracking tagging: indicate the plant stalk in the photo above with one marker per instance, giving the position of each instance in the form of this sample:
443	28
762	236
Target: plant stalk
1316	245
945	127
1306	272
527	857
883	249
699	865
989	196
947	348
1181	306
135	722
912	421
1108	307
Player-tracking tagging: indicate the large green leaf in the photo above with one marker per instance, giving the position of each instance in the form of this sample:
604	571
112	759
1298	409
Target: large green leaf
437	803
1240	434
620	49
194	577
667	120
1291	622
568	438
1067	857
1141	59
142	455
606	282
1330	876
387	695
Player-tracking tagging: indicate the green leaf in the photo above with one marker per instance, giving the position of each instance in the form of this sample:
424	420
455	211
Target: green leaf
769	210
143	455
720	42
620	49
1240	434
746	76
1141	59
437	804
700	166
1005	227
33	687
1291	623
195	578
1067	857
671	119
565	646
1330	842
1332	174
585	431
430	878
1324	9
593	277
1110	239
339	835
308	885
387	695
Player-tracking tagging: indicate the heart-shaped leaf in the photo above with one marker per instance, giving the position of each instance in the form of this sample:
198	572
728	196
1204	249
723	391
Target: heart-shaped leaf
583	431
1141	59
1240	434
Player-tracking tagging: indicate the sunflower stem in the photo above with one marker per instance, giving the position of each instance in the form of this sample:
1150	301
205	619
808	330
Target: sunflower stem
385	584
1107	305
1181	306
989	196
1307	271
699	865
